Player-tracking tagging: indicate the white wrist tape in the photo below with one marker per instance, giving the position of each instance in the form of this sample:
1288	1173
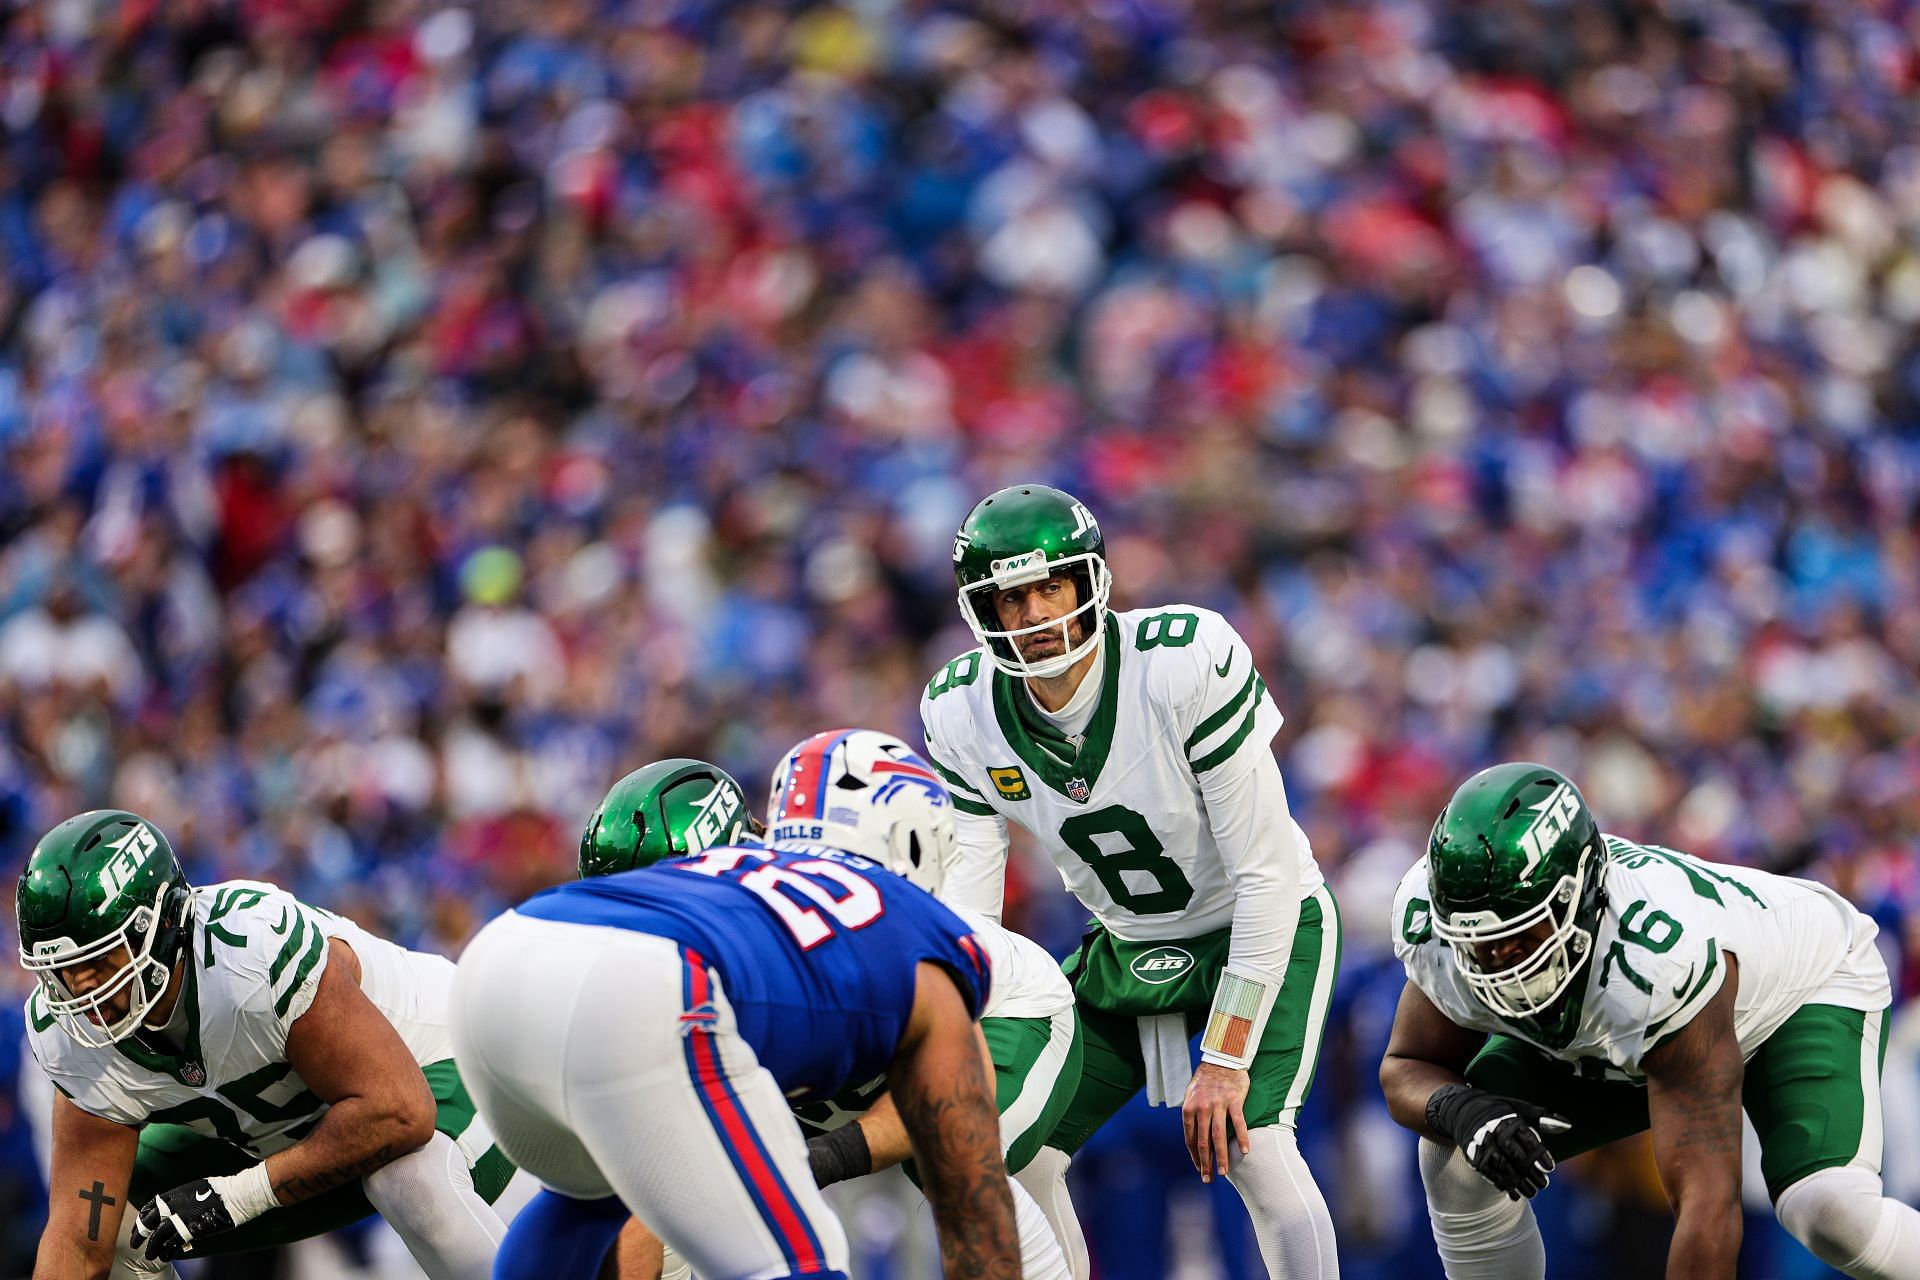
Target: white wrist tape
247	1194
1241	1007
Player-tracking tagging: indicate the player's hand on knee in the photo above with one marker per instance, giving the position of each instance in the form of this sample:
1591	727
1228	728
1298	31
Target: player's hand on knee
175	1221
1504	1139
1216	1101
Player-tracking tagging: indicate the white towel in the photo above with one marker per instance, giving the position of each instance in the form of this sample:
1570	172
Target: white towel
1163	1045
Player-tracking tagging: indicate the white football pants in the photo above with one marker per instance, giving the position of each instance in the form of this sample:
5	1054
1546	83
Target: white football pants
609	1062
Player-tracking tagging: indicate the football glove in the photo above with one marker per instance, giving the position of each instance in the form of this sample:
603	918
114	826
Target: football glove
175	1221
1502	1137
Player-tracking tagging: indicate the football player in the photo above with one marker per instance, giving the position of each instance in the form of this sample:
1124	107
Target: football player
677	808
1135	746
640	1035
237	1069
1567	988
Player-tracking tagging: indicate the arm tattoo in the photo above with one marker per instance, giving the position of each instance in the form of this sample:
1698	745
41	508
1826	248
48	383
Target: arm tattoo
96	1198
956	1138
293	1190
1707	1123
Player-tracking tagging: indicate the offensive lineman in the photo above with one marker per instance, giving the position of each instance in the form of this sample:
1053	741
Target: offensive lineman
640	1034
1567	988
677	808
237	1068
1135	746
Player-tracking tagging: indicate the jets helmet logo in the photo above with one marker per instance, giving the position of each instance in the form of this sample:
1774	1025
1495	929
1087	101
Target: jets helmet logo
1082	520
1553	817
130	850
714	821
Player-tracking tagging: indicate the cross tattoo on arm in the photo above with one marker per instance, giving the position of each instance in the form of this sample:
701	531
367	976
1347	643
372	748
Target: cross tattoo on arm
98	1196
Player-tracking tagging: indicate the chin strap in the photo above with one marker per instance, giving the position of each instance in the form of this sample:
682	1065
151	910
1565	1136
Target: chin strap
1241	1007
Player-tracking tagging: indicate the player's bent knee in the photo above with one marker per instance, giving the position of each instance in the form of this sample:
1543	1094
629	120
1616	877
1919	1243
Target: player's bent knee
1454	1188
1836	1213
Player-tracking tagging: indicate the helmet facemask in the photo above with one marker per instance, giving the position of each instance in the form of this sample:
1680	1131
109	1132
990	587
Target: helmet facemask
1093	584
1531	986
144	976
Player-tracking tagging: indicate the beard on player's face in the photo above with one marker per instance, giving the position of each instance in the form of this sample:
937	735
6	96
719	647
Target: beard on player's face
1051	643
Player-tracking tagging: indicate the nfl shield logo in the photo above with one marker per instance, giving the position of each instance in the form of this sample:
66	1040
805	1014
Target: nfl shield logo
194	1074
1078	789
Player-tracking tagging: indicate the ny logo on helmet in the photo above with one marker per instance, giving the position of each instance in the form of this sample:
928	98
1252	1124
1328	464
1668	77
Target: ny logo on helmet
1554	817
130	850
1082	520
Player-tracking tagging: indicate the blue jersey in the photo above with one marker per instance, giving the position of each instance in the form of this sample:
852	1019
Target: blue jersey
816	949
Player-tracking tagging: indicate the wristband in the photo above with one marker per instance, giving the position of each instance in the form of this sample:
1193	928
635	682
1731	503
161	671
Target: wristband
247	1194
1241	1007
837	1156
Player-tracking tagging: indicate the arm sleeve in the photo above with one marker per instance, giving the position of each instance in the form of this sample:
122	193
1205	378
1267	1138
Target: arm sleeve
977	879
1258	840
1228	721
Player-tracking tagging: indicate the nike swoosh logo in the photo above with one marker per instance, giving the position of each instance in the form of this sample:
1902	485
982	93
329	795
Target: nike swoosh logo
1686	984
282	926
1221	670
204	1195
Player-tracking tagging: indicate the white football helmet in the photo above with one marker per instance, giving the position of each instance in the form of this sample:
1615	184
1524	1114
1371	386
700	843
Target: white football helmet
866	792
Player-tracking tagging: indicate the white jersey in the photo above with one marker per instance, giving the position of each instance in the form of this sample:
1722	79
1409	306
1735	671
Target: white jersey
256	954
1027	982
1124	822
1658	957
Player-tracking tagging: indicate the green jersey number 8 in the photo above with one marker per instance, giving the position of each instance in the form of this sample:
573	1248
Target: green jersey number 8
1142	853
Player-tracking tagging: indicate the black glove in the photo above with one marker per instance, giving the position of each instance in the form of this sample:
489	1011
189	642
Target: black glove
1501	1136
175	1221
837	1156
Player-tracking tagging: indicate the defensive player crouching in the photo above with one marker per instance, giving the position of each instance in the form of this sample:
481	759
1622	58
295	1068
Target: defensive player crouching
678	808
241	1069
1568	988
639	1036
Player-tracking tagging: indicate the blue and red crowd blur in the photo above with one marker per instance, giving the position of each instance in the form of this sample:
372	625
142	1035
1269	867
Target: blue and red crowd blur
412	417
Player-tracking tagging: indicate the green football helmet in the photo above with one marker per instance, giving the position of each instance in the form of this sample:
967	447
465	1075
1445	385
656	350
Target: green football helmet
1516	852
1023	534
669	809
97	883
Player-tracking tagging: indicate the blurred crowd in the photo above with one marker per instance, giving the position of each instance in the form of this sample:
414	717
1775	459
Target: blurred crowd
414	416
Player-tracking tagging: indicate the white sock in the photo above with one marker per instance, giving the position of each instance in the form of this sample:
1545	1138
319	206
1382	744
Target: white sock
673	1267
427	1197
1045	1179
1841	1215
1481	1234
1290	1218
1040	1257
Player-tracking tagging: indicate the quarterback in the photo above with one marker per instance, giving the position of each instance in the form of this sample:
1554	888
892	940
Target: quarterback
1135	746
1567	988
236	1069
678	808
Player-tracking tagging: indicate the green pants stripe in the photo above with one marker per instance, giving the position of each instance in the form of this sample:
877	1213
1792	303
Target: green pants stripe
1036	1069
1113	997
171	1154
1812	1091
